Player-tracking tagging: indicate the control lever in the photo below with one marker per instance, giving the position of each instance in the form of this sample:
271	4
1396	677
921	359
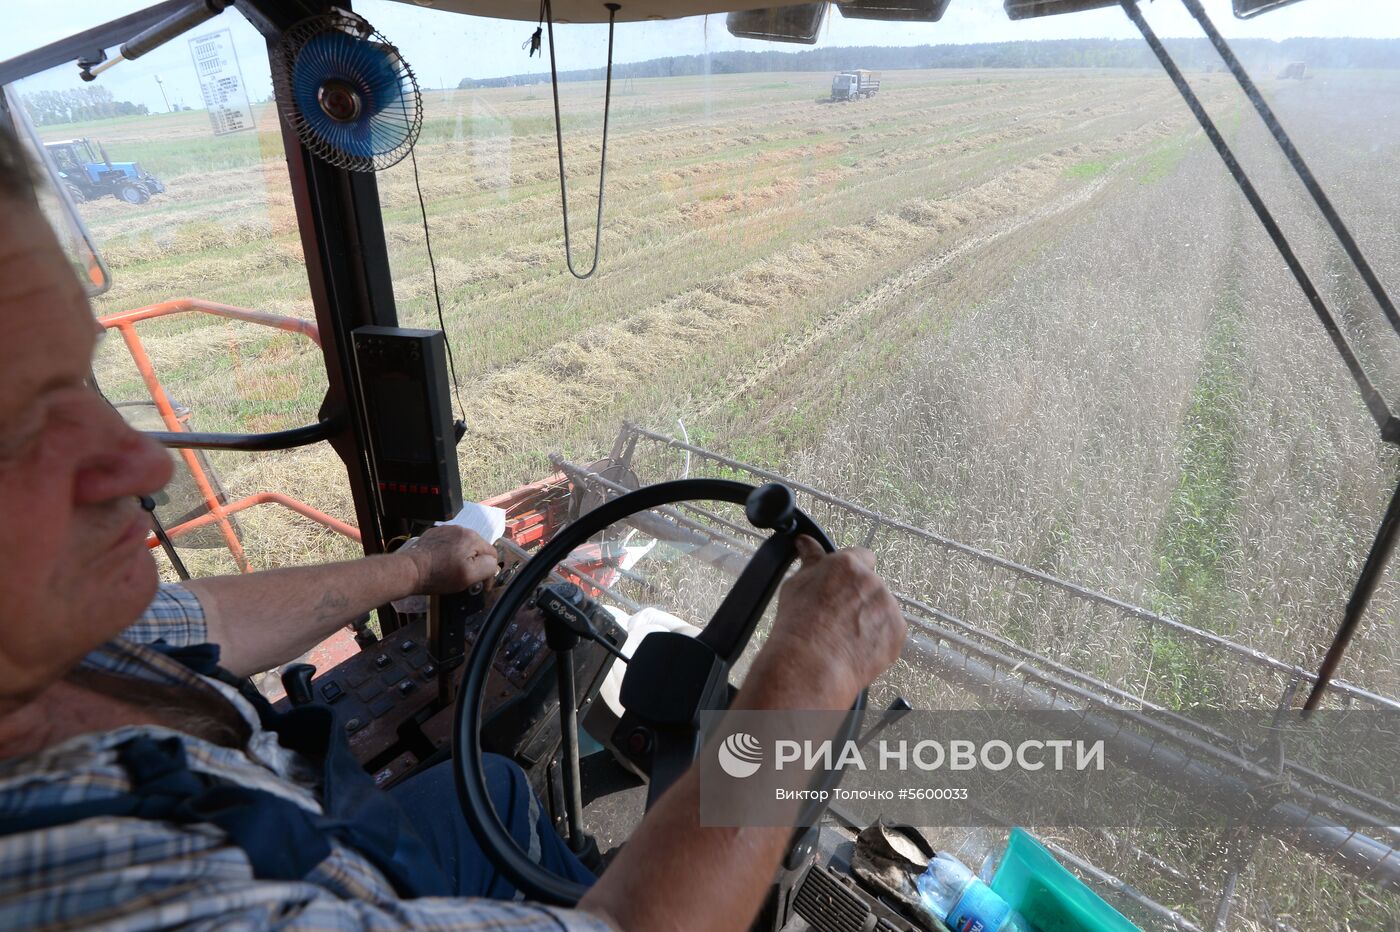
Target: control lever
447	635
893	713
296	680
772	507
148	504
566	605
364	634
565	624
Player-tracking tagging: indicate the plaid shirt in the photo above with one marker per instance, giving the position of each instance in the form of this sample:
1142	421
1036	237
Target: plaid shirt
130	873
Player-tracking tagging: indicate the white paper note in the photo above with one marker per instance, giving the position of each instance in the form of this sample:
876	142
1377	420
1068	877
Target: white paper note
486	520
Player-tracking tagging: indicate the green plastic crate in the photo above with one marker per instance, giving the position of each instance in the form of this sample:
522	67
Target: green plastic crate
1050	897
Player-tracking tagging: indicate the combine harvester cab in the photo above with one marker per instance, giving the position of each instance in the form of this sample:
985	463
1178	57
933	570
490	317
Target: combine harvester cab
935	325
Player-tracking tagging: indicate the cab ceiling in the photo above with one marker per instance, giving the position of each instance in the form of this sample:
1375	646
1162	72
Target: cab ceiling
593	11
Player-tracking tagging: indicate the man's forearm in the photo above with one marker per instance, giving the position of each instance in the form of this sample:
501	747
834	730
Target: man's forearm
676	874
260	620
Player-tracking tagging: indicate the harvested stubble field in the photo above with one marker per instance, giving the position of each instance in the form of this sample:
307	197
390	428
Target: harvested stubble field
1027	310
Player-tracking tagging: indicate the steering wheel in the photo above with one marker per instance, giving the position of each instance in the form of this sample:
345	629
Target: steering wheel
670	677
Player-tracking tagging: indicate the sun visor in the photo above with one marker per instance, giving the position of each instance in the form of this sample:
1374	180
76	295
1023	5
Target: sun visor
799	23
908	11
1027	9
1244	9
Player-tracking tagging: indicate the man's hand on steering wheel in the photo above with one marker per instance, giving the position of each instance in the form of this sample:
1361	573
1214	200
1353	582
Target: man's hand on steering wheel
448	559
837	629
835	620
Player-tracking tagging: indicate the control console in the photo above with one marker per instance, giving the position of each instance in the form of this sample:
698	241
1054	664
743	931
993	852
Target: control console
387	700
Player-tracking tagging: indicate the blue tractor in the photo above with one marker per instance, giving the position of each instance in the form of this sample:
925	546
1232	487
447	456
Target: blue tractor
88	173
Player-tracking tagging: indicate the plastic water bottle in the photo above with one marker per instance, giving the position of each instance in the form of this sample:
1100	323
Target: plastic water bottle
954	894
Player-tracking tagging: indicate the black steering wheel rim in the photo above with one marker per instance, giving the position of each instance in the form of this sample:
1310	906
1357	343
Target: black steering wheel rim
529	877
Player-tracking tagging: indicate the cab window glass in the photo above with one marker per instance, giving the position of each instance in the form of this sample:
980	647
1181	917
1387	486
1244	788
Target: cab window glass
187	199
1004	292
1009	301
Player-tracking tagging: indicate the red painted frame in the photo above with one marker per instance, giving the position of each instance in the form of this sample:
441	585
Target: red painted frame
125	322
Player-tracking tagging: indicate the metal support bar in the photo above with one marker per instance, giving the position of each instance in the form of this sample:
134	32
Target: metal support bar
215	309
207	493
178	23
247	443
268	498
177	438
1227	898
1376	562
869	542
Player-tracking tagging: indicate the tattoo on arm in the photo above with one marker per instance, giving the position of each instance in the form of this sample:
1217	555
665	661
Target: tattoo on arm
333	606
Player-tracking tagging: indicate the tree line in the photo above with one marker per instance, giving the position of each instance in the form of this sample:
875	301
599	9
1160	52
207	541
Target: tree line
94	102
1192	54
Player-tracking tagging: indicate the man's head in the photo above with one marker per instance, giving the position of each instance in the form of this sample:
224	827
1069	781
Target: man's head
74	567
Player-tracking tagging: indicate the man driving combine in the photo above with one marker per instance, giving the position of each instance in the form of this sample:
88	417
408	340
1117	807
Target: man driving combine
140	788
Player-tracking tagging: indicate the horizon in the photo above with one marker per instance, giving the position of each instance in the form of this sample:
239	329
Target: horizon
1249	47
445	48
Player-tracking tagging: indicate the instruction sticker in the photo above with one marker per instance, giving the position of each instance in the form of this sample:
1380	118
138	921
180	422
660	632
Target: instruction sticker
221	82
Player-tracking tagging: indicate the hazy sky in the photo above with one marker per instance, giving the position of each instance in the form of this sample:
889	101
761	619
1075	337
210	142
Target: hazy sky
443	48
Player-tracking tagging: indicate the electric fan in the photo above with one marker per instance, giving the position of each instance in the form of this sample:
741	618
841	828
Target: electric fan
347	92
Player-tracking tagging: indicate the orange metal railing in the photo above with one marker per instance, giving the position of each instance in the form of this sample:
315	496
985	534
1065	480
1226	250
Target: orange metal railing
125	323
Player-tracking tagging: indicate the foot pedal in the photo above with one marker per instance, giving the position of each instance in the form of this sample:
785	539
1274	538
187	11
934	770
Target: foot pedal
829	905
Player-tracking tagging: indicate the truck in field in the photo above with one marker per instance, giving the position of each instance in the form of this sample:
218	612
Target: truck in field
853	85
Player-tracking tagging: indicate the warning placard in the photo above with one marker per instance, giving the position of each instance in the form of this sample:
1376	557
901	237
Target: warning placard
221	82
